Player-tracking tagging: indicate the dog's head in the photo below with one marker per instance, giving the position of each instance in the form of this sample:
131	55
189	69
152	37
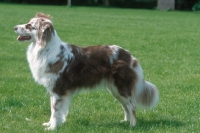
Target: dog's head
39	29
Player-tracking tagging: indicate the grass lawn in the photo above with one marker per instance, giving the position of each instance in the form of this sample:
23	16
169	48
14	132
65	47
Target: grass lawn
166	44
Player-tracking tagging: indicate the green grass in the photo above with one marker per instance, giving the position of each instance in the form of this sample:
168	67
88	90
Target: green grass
166	44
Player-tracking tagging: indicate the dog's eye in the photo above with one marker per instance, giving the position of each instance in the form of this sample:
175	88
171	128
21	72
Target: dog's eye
28	26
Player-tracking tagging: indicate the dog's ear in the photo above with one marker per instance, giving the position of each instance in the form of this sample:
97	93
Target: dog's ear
46	25
47	31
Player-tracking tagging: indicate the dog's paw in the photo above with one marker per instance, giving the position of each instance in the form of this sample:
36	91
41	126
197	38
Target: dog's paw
51	127
47	124
132	123
122	121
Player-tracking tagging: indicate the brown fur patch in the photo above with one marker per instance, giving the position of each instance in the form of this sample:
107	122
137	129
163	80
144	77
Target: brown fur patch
56	67
124	55
92	64
28	26
45	32
124	77
47	29
39	34
134	62
88	67
42	15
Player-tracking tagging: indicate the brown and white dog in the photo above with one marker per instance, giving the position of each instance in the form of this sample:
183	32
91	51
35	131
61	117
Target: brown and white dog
65	69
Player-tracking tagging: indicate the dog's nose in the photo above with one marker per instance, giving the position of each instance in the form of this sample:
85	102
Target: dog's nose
15	28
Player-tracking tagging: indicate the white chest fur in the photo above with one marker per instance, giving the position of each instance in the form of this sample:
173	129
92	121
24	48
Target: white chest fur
39	60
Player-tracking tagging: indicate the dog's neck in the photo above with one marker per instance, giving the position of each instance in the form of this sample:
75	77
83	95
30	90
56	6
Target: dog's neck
52	49
54	40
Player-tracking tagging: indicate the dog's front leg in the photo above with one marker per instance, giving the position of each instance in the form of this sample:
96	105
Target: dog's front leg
59	110
52	102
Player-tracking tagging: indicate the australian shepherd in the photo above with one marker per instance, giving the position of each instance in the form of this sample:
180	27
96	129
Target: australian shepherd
65	69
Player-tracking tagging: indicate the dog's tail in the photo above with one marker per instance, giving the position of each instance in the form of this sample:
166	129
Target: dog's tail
148	96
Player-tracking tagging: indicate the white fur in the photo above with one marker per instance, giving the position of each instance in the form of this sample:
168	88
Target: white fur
58	117
114	49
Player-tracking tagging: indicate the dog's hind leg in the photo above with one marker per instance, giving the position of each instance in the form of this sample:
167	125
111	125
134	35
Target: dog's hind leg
59	110
131	105
126	112
128	105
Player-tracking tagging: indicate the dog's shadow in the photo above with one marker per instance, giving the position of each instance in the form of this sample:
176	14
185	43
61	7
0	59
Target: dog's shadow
141	124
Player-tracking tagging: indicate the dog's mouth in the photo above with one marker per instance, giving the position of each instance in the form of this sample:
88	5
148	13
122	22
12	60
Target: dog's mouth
24	38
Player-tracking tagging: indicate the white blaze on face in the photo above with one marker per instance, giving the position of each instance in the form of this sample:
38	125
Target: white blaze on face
25	32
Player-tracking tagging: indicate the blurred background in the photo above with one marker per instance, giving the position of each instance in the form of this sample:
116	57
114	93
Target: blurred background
185	5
